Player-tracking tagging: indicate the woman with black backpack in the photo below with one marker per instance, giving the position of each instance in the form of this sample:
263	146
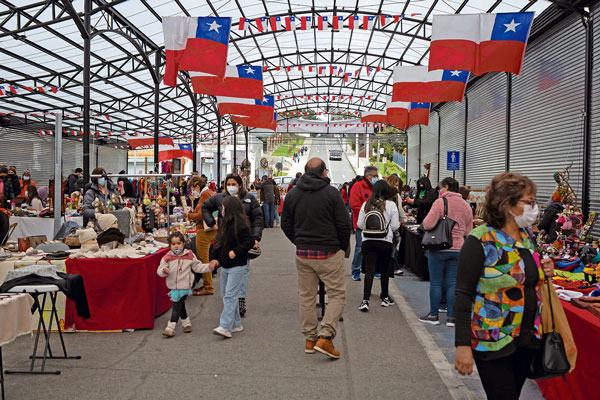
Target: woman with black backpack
378	219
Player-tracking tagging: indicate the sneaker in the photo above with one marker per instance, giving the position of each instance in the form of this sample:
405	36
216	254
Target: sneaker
237	329
222	332
443	309
387	301
356	277
450	321
242	307
430	319
364	306
377	276
309	348
325	346
399	272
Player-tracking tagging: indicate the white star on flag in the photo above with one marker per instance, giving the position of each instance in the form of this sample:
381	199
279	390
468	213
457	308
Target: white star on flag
214	26
511	26
250	70
455	73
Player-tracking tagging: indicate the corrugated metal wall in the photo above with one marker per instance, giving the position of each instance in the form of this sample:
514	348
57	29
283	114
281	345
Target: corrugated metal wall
452	138
413	155
429	153
547	105
486	134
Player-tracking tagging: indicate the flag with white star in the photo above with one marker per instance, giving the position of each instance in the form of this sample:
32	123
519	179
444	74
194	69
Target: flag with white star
245	81
480	43
417	84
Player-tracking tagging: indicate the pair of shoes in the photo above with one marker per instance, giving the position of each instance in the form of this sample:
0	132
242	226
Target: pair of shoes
237	329
309	347
203	292
325	346
242	302
170	329
377	276
355	277
443	309
387	301
364	306
430	319
399	272
450	321
222	332
187	325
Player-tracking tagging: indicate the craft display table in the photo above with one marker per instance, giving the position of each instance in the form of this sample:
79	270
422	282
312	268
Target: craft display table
32	226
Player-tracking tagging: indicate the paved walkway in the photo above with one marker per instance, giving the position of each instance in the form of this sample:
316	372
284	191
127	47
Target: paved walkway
382	358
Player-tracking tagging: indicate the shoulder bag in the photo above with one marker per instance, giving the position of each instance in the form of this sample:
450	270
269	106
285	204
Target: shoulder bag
440	237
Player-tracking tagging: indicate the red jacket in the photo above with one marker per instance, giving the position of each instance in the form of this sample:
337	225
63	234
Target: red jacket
360	193
344	195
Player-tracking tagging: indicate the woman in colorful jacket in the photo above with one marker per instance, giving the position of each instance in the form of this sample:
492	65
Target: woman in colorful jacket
498	301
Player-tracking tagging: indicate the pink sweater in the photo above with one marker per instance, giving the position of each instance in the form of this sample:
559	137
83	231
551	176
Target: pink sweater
458	210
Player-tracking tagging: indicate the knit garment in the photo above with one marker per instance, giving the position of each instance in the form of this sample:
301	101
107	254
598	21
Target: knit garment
106	221
86	235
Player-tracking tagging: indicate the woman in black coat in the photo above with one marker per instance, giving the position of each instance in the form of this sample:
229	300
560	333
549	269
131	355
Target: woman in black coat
424	199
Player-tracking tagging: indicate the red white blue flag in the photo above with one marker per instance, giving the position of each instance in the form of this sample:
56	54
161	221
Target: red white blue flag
169	152
368	22
244	24
374	116
418	114
195	44
260	23
240	81
306	23
397	113
338	22
290	23
322	24
353	22
245	107
416	84
480	43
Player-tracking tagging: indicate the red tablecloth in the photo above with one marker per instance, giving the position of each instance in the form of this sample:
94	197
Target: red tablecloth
582	382
122	293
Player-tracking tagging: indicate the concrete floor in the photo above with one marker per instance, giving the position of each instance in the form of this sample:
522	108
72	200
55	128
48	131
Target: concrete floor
381	356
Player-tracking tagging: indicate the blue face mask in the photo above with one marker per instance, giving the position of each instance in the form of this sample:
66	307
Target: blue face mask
101	181
178	251
374	180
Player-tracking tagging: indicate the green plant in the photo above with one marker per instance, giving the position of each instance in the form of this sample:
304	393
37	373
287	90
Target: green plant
285	151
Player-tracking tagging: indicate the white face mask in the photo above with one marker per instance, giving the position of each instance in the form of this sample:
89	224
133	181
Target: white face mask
195	194
233	190
529	216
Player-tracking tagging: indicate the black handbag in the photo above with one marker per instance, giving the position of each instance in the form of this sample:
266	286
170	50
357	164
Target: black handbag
440	237
551	360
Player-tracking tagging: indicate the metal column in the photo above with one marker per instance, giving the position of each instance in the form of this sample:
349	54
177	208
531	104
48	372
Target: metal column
378	151
419	164
58	194
438	143
587	131
86	91
218	160
465	147
233	167
246	137
156	109
195	137
508	112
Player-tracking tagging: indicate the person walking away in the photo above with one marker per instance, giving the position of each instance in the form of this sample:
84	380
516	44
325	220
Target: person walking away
425	197
178	266
201	192
230	252
344	190
395	184
443	264
360	193
378	220
72	181
34	202
235	188
315	220
267	195
295	181
498	285
277	203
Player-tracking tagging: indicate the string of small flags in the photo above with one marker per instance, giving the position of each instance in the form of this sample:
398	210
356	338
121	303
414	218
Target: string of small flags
76	133
300	113
335	125
322	23
324	98
14	89
45	114
334	70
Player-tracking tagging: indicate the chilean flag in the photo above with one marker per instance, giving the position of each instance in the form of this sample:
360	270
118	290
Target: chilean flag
322	24
368	22
290	23
245	107
338	22
306	23
396	113
240	81
275	23
195	44
149	142
265	121
260	24
353	21
169	152
374	116
416	84
418	114
480	43
244	24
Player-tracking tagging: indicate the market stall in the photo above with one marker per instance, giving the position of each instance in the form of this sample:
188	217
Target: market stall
33	226
415	256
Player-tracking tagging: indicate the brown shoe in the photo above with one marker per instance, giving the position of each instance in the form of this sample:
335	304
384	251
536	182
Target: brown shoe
187	329
203	292
325	346
310	346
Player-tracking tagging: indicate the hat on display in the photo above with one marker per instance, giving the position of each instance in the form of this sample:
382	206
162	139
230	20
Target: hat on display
86	235
106	221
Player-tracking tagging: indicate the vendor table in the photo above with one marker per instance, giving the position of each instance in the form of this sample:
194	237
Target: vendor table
121	293
15	314
32	226
582	382
415	258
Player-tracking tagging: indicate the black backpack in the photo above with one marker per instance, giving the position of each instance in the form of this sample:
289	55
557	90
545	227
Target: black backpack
374	225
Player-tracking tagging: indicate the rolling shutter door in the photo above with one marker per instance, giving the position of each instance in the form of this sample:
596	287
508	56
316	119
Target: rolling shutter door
452	120
111	159
486	130
548	97
429	147
595	126
413	168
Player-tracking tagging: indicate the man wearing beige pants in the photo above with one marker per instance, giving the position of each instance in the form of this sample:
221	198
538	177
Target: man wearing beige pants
315	219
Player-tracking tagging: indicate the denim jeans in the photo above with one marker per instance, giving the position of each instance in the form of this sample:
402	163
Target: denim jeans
245	278
357	261
442	271
269	213
231	283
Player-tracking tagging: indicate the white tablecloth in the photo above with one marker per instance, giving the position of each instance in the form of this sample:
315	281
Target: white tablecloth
32	226
15	314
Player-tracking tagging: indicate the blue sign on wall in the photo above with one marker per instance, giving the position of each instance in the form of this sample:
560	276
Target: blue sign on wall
453	161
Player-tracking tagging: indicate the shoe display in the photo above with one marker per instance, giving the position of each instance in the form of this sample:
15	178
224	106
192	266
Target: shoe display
430	319
237	329
364	306
450	321
242	307
309	348
377	276
356	277
387	301
222	332
325	346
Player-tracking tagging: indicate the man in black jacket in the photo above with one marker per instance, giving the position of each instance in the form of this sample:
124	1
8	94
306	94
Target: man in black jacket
72	180
267	196
127	185
425	197
315	219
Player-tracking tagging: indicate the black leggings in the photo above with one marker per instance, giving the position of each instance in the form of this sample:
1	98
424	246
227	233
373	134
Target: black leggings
503	379
178	310
377	256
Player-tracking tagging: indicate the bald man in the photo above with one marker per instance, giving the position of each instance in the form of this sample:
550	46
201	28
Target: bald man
315	219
